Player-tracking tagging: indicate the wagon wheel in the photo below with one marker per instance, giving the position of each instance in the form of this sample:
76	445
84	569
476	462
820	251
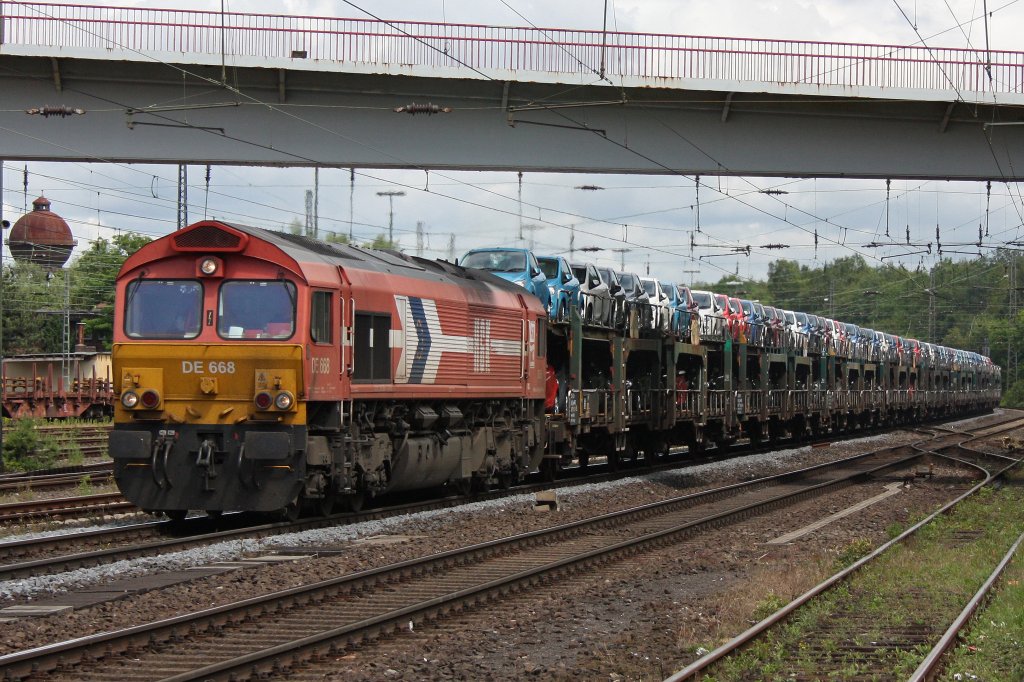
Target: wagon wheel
630	453
549	470
505	479
613	461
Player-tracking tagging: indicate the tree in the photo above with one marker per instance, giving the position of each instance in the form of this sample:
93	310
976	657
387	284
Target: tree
336	238
92	282
29	293
381	242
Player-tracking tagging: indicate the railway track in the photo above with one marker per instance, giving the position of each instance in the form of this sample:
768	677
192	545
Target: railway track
271	633
101	504
853	637
96	547
62	477
90	441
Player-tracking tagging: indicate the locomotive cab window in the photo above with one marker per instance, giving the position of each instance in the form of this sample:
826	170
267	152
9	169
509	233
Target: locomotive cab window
256	309
163	309
320	317
372	348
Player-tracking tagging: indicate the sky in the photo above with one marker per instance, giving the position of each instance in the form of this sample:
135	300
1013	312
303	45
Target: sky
655	214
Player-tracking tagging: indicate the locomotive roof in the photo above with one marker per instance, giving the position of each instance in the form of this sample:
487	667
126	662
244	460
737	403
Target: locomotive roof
305	249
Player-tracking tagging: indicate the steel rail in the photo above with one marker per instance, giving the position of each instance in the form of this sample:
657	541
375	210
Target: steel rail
932	663
102	503
196	527
703	663
45	658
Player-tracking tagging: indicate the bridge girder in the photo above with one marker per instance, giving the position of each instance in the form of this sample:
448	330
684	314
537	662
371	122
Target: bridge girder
148	112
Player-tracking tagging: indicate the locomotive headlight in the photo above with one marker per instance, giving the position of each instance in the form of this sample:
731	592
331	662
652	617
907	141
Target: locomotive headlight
150	399
130	399
284	400
263	400
208	266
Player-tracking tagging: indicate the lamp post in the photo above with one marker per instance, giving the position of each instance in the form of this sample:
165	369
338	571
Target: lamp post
390	194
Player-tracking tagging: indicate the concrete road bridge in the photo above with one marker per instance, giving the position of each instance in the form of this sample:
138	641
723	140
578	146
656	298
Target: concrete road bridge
87	83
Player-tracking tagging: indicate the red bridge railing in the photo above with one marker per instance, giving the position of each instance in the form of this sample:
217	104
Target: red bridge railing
507	50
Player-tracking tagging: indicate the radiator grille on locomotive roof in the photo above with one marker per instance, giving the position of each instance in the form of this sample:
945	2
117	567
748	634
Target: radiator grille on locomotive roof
208	237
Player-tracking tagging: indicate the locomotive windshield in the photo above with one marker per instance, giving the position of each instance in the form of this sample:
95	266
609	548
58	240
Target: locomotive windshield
256	310
163	309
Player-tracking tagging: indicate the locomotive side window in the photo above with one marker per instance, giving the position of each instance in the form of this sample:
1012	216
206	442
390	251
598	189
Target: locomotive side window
256	309
320	317
163	309
372	347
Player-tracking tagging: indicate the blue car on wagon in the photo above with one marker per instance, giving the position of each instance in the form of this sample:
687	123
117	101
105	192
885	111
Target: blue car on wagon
518	266
563	287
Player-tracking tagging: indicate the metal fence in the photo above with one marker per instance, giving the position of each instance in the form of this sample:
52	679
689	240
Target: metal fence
611	55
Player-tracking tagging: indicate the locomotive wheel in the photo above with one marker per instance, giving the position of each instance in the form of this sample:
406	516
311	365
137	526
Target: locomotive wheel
325	505
291	511
354	502
176	514
463	486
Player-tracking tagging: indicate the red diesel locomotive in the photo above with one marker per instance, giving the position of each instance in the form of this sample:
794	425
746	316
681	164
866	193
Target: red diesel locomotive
265	371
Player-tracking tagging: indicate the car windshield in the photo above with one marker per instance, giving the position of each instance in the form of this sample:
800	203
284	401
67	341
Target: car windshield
666	289
651	287
549	266
580	273
256	310
496	261
747	307
163	309
790	317
703	300
608	276
735	307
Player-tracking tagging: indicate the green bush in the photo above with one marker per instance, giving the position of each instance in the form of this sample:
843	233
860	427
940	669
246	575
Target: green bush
852	553
26	450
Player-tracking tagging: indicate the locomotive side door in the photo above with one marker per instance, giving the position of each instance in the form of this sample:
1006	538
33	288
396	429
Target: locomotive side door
323	351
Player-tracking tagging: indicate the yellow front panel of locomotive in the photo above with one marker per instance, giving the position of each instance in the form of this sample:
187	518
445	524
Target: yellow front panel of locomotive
212	383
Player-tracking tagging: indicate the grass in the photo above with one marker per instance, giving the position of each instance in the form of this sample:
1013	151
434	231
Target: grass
993	648
84	487
923	583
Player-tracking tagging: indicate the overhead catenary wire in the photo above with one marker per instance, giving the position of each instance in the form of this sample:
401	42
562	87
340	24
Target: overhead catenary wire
598	219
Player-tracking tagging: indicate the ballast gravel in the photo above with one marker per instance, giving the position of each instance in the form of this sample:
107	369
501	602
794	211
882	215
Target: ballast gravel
628	622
